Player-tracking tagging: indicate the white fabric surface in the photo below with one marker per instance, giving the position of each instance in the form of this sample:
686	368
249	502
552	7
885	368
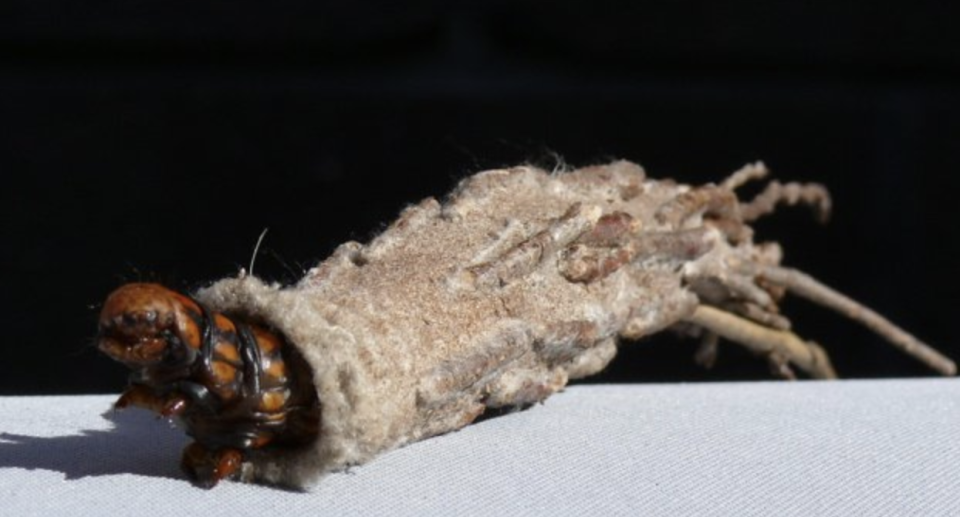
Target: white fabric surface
771	448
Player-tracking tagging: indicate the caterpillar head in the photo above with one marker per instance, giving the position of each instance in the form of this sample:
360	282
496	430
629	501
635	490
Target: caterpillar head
144	325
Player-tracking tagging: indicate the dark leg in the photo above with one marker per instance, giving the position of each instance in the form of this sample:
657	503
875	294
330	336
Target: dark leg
206	467
138	395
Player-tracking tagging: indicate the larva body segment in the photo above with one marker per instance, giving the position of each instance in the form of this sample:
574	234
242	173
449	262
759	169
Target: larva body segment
520	281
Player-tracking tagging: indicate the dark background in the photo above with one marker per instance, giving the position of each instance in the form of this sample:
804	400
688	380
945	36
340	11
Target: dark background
155	140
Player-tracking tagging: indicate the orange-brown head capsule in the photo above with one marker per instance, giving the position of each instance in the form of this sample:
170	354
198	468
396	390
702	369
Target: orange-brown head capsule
144	325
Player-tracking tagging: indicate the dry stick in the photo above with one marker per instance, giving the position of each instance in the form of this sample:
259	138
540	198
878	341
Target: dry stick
706	355
808	356
810	288
775	193
754	312
747	173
